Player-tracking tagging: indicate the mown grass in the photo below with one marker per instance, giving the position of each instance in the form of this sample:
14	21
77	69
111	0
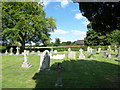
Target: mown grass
97	72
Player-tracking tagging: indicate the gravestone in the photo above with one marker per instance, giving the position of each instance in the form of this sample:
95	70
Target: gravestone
6	52
93	51
38	52
17	53
26	64
71	55
55	51
45	61
115	48
109	52
99	50
59	75
81	55
88	49
11	51
69	49
33	52
58	56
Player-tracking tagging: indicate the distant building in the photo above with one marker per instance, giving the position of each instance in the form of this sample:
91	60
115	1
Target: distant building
80	42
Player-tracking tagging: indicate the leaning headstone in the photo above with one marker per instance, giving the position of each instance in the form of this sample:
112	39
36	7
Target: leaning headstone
81	55
46	61
71	55
11	51
17	53
26	64
6	52
59	76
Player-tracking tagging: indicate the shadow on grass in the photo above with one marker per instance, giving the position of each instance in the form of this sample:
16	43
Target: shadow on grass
81	74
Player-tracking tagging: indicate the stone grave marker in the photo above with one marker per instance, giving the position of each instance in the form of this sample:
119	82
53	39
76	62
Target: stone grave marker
88	49
45	62
109	52
69	49
17	53
6	52
59	75
26	64
81	55
55	51
99	50
11	51
71	55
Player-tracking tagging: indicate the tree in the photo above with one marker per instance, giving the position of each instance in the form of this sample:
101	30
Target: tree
57	42
25	22
104	16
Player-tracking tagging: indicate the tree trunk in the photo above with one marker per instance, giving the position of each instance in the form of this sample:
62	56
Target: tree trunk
22	48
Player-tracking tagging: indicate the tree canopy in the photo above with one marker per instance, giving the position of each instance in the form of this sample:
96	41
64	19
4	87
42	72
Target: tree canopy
104	16
25	22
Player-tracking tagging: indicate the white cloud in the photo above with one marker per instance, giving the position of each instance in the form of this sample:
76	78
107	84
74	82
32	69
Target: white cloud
58	32
45	2
86	22
64	3
79	16
78	33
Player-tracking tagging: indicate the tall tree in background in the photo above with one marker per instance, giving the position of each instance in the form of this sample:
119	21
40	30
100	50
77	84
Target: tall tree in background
104	16
25	22
57	42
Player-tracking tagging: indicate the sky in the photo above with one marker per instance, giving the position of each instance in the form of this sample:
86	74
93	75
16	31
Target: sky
71	25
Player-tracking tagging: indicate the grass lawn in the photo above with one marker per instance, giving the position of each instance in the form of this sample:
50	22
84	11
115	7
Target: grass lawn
97	72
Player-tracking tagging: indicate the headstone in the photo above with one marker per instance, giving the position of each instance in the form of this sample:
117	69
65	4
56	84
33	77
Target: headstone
59	76
81	55
27	52
58	56
11	51
115	48
88	49
46	61
99	50
38	52
109	52
118	53
26	64
69	49
17	53
33	52
55	51
6	52
71	55
93	51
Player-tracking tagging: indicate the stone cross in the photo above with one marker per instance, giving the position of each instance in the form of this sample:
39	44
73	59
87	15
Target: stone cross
81	55
17	53
26	64
11	51
59	76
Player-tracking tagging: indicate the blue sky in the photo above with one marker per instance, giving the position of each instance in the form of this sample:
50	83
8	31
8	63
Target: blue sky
71	25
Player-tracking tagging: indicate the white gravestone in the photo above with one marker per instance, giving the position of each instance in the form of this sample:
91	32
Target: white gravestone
81	55
69	49
11	51
33	52
26	64
6	52
55	51
17	53
88	49
91	50
38	52
109	54
71	55
99	50
45	64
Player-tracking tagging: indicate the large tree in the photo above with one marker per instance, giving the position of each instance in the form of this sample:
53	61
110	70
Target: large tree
104	16
25	22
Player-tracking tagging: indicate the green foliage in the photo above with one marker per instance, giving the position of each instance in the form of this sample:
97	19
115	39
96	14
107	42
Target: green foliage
57	42
104	16
25	22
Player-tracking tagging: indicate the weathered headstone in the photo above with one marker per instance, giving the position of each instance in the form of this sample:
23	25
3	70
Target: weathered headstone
109	52
99	50
17	53
46	61
26	64
71	55
81	55
88	49
11	51
6	52
59	76
55	51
